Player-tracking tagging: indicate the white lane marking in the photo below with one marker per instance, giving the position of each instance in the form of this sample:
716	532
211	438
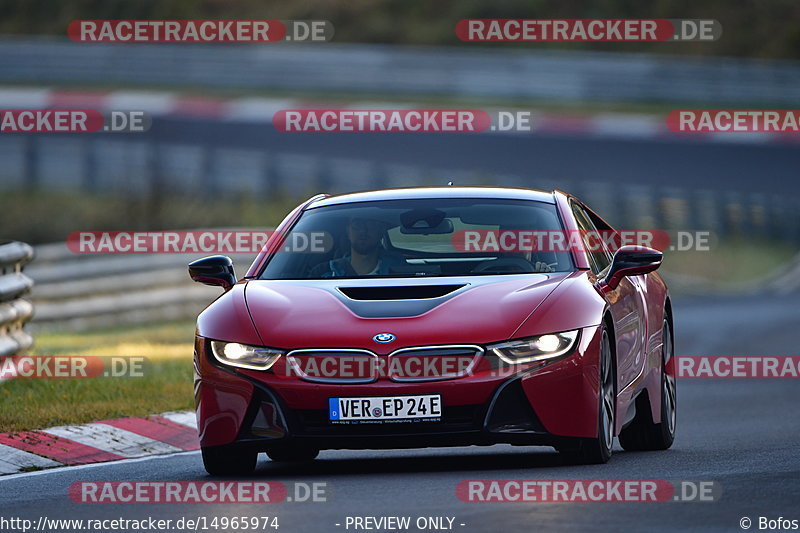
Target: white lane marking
24	98
257	109
111	439
184	418
627	125
13	460
157	103
95	465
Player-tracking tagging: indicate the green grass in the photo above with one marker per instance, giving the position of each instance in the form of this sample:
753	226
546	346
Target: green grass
729	263
43	217
167	384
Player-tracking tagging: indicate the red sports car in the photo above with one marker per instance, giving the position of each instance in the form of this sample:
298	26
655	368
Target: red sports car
435	317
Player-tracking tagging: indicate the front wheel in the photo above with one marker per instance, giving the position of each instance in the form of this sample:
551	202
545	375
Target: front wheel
228	461
598	450
644	434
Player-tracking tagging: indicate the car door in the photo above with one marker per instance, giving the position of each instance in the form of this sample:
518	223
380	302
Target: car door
626	304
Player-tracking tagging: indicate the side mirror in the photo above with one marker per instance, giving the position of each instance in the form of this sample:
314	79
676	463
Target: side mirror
631	261
213	270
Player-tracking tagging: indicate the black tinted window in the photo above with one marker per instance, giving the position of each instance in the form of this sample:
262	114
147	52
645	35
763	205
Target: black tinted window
426	237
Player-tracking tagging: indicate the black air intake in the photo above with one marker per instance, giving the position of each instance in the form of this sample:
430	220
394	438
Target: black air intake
403	292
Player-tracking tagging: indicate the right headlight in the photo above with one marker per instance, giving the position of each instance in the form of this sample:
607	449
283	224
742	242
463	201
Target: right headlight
537	348
244	355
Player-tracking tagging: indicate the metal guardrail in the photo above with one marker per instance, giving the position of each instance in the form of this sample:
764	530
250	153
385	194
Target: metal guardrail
83	291
466	71
14	310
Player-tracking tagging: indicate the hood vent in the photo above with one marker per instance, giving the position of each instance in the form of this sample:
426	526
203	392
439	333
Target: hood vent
402	292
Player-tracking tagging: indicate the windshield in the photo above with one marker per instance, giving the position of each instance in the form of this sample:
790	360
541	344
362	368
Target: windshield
425	237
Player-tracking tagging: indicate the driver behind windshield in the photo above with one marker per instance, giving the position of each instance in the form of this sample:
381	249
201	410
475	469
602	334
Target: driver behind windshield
366	257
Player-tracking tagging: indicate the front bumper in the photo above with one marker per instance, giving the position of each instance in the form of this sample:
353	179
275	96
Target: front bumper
544	404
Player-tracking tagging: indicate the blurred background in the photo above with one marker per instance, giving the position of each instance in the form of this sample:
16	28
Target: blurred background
213	159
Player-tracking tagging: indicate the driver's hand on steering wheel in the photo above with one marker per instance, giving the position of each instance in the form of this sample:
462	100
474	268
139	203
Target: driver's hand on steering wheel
541	266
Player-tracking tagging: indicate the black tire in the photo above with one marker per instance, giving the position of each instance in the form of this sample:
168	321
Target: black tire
643	434
229	461
296	454
598	450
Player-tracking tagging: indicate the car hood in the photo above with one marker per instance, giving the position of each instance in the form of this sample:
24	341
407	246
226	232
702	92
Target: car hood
349	313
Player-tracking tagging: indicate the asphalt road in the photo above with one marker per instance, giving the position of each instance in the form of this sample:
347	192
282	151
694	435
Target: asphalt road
739	433
546	161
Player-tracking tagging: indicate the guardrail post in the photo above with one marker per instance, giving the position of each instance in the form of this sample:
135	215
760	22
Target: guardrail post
14	311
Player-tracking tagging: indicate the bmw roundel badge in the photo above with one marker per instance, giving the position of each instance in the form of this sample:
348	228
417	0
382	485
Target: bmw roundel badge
383	338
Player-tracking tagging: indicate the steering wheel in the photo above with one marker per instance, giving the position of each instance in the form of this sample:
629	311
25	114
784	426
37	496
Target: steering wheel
505	264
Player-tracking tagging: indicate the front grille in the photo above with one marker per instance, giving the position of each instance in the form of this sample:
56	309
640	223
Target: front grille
405	365
345	366
433	363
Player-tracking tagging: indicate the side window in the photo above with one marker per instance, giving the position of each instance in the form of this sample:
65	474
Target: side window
611	238
599	258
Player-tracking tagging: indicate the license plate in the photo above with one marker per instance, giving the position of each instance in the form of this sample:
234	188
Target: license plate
377	408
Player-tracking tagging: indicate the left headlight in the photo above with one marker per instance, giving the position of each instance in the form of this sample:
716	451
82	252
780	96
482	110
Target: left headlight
244	356
537	348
